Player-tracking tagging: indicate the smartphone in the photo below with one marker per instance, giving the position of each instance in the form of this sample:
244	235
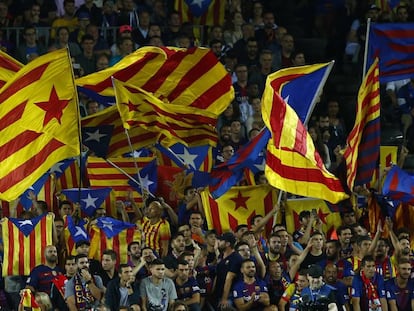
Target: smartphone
76	69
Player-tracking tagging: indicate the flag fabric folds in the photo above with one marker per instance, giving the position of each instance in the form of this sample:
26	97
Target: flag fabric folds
190	77
38	122
28	301
147	179
292	163
8	67
399	185
173	123
75	231
363	143
393	44
209	13
25	200
237	206
90	199
109	233
97	128
310	79
30	235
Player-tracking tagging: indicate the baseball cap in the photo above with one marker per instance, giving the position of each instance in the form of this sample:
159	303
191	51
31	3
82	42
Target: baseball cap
315	271
228	237
124	28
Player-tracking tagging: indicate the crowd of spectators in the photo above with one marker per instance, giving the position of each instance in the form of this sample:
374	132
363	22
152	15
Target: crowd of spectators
179	264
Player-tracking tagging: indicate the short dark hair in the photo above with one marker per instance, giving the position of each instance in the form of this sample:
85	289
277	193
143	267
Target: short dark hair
240	244
79	256
65	202
121	266
367	258
182	262
87	37
247	260
340	229
110	252
157	262
133	243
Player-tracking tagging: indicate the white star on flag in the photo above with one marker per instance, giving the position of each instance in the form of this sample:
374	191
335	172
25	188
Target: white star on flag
261	166
198	2
56	168
90	201
188	158
107	224
94	136
26	222
146	182
81	232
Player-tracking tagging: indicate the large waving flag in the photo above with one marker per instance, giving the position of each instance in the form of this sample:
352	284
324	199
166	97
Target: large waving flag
202	12
23	240
39	122
196	158
363	143
25	200
237	206
399	185
309	79
89	199
228	174
173	123
292	163
8	67
190	77
28	301
110	233
97	128
147	178
393	44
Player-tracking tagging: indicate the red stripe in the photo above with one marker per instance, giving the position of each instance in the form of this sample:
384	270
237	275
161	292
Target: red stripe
11	260
395	33
28	167
44	228
215	215
8	64
301	174
34	248
199	69
213	93
163	72
17	143
276	123
116	245
13	115
124	74
28	78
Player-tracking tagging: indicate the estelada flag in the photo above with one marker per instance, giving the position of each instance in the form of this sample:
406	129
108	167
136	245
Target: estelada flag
8	67
238	206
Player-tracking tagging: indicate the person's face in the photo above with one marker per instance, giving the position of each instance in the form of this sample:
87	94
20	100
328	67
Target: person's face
302	282
154	30
373	15
51	254
66	209
222	245
30	36
126	47
108	263
288	43
248	269
275	270
345	236
186	231
252	48
284	237
247	31
59	225
382	248
292	260
148	255
268	19
217	33
228	152
125	274
317	242
3	10
369	269
190	194
179	244
244	251
274	245
211	239
70	267
241	73
266	60
280	33
175	20
35	11
183	272
238	234
216	48
135	250
93	107
190	260
88	45
83	263
331	250
196	220
100	212
402	14
128	5
299	60
324	124
83	249
333	108
257	9
93	31
158	271
238	19
156	41
102	63
144	19
364	247
108	7
331	274
69	8
359	230
154	210
315	283
235	127
225	132
256	105
405	246
404	271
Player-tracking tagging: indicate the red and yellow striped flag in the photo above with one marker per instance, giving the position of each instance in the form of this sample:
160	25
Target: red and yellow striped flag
39	122
208	13
8	67
24	242
190	77
119	243
292	163
237	206
363	143
28	301
172	123
118	144
102	174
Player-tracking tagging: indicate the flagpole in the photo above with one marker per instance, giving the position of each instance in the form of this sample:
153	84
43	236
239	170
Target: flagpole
184	165
364	69
79	123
